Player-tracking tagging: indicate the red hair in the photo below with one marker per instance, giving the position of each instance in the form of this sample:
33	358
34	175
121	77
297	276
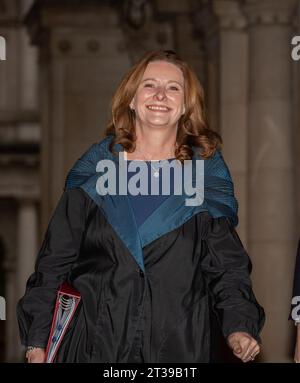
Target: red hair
193	128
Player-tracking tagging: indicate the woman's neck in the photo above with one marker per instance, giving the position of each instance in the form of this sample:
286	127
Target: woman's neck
154	146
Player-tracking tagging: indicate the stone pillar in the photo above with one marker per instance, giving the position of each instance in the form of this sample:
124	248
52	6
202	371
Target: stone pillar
82	58
224	25
27	234
234	100
207	29
28	97
28	87
27	241
179	15
17	271
12	340
271	188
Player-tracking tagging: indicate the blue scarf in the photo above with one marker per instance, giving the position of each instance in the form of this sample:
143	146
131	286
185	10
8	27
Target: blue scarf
219	200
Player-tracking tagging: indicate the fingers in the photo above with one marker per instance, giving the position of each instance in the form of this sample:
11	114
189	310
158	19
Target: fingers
35	359
251	353
236	348
248	349
35	356
297	354
243	346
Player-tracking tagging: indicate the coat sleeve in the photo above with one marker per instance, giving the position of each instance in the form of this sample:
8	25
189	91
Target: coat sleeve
56	256
227	268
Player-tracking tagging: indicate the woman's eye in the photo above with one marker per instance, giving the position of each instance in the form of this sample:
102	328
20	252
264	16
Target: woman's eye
171	87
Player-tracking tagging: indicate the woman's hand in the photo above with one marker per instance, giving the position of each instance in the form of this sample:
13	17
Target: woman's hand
297	347
37	355
243	346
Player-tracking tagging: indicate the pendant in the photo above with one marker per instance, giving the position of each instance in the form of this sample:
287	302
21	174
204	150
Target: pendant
156	174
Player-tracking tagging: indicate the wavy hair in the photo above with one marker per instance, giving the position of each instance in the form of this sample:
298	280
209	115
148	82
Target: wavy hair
193	129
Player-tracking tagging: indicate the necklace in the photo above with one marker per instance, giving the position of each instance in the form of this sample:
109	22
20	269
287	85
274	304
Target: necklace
155	170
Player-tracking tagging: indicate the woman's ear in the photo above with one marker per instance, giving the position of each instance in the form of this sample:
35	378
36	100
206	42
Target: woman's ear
131	104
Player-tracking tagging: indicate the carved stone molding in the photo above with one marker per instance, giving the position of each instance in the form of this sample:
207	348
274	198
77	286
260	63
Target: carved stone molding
212	16
45	15
269	12
135	13
144	28
65	44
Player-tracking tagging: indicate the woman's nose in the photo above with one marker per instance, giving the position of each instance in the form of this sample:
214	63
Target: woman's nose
160	93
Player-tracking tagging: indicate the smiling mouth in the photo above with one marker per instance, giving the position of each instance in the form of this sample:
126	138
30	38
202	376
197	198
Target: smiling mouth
156	108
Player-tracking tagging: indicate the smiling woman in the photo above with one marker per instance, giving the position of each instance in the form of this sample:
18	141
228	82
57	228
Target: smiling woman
161	91
154	273
159	99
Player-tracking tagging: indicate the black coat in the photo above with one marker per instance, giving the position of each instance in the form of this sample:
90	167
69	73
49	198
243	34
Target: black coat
196	269
295	305
296	286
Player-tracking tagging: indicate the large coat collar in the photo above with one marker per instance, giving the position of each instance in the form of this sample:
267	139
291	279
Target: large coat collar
219	199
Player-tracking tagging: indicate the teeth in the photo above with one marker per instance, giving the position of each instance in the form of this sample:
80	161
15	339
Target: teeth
157	108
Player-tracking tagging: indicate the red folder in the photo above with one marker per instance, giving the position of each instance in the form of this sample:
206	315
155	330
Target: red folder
65	306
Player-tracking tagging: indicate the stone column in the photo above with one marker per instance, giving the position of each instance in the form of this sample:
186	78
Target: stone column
28	97
26	240
234	100
27	237
18	270
206	26
223	24
12	341
82	58
271	189
179	15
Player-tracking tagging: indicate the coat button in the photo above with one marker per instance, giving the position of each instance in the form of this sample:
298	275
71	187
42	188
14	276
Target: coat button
141	274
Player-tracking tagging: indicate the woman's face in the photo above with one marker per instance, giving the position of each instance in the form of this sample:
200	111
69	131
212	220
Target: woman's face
159	99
